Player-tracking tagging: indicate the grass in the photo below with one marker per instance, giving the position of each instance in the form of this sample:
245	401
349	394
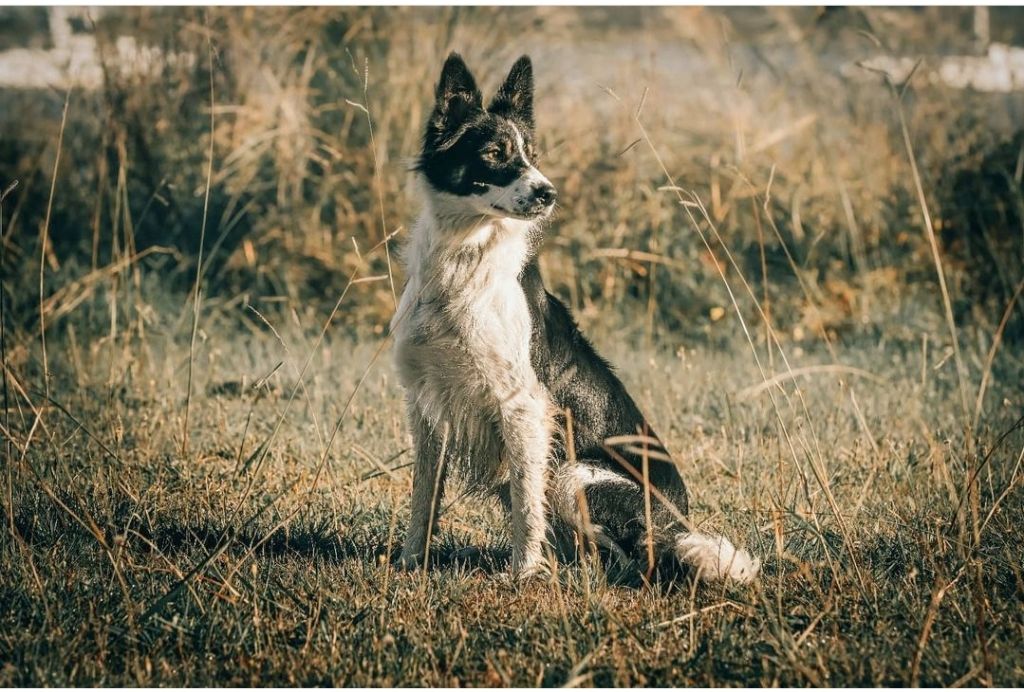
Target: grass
228	567
785	283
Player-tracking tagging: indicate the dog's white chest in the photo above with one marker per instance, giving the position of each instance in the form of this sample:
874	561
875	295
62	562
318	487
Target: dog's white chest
495	318
464	345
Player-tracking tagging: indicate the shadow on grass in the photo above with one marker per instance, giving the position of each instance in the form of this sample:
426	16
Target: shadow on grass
320	543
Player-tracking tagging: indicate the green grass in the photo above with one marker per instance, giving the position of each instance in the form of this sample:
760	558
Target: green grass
126	563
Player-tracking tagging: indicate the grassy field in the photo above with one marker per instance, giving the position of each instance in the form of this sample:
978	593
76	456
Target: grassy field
211	492
256	557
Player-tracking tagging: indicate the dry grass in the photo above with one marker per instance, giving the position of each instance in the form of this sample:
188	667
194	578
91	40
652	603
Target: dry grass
228	566
755	252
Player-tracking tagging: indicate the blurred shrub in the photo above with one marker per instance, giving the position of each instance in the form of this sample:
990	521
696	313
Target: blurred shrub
983	222
801	168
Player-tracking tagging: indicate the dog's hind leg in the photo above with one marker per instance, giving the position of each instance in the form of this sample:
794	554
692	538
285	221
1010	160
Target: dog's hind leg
600	505
428	477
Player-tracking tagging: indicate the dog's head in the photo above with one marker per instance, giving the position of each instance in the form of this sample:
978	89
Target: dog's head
481	160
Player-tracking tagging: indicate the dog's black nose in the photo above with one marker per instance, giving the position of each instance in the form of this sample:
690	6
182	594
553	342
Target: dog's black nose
545	194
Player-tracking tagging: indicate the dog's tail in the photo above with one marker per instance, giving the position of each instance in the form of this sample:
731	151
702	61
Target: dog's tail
714	558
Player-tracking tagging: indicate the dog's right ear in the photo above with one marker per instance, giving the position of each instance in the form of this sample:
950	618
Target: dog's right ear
458	98
515	96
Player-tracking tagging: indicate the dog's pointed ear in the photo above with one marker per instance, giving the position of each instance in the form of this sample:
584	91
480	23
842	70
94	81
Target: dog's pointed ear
457	80
457	99
515	97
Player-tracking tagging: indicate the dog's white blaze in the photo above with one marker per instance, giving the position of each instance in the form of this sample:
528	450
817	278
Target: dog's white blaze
533	177
516	198
521	145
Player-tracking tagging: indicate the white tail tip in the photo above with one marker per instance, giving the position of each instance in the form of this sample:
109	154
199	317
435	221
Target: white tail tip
716	559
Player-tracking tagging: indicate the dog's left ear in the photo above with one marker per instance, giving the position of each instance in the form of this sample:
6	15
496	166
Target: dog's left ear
515	97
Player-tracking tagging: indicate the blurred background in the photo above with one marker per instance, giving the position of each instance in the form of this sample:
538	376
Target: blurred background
785	124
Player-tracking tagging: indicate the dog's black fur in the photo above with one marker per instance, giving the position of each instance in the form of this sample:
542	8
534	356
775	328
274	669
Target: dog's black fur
582	383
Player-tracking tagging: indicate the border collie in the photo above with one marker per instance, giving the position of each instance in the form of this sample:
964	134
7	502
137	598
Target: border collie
496	370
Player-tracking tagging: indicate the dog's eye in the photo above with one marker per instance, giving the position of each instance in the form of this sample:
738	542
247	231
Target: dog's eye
492	155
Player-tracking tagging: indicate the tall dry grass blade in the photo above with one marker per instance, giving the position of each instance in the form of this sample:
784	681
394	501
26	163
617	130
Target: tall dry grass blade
44	236
933	245
647	512
766	300
997	340
973	468
939	591
196	295
588	543
435	494
3	354
378	182
754	390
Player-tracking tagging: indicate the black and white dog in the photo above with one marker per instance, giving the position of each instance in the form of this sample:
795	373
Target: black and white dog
496	370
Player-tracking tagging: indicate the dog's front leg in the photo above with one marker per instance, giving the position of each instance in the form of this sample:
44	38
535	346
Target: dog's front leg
428	478
526	427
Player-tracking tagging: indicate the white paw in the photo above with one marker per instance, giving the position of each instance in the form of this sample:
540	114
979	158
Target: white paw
532	570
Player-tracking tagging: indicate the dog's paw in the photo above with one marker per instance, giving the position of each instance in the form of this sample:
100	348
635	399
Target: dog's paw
533	572
518	577
408	562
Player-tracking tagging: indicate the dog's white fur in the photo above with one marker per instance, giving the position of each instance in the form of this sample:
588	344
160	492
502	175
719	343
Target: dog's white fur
715	558
462	336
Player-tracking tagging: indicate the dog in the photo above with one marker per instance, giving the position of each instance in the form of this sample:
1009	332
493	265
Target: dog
496	371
